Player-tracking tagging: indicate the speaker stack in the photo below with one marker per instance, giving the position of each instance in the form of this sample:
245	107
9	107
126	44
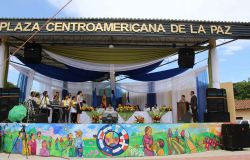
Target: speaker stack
235	136
186	57
9	97
32	53
217	110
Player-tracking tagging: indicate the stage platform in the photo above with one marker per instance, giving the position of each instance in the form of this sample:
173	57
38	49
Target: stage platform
106	140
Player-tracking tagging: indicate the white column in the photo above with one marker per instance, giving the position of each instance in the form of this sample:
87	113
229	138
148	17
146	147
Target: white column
174	100
214	64
2	47
112	77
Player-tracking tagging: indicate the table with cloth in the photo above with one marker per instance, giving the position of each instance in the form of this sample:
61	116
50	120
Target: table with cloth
85	117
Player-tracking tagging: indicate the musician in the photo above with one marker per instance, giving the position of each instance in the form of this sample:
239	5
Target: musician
45	106
79	99
66	108
193	104
73	109
56	98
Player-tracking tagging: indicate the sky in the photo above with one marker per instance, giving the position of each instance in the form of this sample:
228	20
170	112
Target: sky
233	58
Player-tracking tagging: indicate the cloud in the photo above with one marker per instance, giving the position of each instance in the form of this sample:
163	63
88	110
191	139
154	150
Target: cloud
223	10
235	47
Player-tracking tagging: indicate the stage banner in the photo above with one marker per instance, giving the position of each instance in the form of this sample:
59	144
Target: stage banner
106	140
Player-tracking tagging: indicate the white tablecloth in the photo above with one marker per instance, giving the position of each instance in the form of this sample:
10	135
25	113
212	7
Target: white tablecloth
166	118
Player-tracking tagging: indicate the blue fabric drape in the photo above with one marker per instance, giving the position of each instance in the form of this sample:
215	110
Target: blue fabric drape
94	102
202	84
159	75
22	84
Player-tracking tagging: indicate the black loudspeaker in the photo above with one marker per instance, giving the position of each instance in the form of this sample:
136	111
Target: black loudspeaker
217	117
214	92
216	100
186	57
9	97
32	53
235	136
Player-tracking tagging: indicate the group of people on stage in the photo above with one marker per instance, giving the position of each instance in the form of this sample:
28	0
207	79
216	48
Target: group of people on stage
70	105
191	104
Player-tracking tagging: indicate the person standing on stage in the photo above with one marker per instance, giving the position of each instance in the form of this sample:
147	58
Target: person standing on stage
45	106
193	104
73	109
66	108
182	98
79	99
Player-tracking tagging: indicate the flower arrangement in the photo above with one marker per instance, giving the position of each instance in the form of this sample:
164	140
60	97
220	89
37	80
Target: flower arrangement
139	119
165	109
156	115
88	108
126	108
96	117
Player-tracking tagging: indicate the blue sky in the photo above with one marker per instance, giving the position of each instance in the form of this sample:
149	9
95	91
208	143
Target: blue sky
233	57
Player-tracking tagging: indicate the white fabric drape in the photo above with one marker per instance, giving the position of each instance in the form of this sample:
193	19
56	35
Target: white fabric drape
96	66
168	92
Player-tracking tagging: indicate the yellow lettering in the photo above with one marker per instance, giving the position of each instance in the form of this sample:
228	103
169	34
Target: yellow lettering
161	28
135	27
182	28
124	27
36	27
108	27
228	28
3	25
74	26
174	28
213	29
27	25
66	26
152	28
220	30
81	27
8	27
144	28
90	27
98	27
18	27
191	29
201	29
50	26
58	26
117	27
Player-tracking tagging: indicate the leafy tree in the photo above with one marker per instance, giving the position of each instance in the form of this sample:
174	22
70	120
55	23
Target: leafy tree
242	90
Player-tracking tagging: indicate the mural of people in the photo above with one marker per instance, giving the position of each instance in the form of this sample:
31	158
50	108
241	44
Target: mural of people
32	144
18	145
148	142
161	144
25	144
44	150
50	142
38	142
79	143
70	147
57	143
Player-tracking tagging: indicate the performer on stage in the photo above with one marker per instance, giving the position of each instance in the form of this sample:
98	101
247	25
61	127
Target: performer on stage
66	108
79	100
193	104
73	109
45	106
183	99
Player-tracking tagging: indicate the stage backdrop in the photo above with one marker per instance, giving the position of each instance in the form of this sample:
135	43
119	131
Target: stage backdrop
101	140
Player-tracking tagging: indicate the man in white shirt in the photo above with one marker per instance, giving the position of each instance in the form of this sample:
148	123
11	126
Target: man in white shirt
45	103
38	143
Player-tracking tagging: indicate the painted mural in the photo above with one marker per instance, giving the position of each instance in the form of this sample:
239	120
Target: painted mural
102	140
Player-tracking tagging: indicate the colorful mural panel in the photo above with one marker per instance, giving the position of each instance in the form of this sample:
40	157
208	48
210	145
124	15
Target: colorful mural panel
102	140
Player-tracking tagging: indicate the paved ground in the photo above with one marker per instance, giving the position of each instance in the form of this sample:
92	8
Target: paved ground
211	155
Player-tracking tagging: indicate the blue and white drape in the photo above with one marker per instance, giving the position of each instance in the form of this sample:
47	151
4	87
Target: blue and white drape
22	84
202	84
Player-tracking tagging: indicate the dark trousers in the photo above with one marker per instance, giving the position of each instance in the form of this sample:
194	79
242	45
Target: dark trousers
65	115
195	114
73	117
